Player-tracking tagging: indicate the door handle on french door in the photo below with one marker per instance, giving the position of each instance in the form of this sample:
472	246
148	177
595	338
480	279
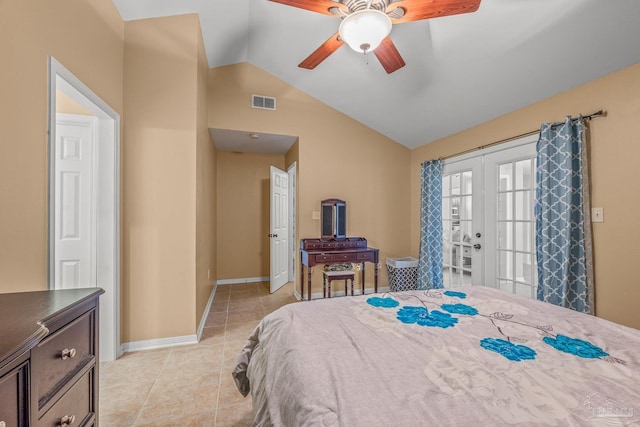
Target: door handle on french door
273	235
477	246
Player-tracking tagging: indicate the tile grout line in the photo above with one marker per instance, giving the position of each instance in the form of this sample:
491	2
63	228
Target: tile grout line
215	419
155	379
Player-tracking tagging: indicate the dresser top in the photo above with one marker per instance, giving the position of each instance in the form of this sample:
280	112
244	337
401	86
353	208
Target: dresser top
25	316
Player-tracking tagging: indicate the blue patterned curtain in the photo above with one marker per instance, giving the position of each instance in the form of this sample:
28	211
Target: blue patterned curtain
430	258
563	220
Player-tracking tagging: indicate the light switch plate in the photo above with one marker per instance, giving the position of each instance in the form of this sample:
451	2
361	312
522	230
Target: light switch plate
315	215
597	215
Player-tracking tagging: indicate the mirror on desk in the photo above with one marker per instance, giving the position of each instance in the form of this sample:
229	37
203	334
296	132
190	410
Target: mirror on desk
334	219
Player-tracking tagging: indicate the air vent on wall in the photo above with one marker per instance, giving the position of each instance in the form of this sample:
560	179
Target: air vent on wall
263	102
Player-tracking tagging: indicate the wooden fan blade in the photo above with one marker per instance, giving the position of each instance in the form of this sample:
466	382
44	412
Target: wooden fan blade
389	56
320	6
415	10
322	53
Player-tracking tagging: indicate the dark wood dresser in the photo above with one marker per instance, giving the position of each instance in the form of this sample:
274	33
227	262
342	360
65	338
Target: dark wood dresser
48	358
335	251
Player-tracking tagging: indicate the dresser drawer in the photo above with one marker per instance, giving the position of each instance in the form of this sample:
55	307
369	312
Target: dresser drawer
74	407
343	257
365	256
323	258
13	397
62	354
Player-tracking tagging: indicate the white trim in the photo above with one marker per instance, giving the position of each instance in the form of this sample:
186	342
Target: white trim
500	147
292	252
242	280
172	341
205	314
158	343
356	292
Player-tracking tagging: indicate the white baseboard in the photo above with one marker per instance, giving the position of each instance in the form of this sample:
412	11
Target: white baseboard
171	341
243	280
205	314
340	293
158	343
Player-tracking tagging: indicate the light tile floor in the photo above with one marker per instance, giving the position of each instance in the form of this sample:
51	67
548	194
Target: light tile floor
190	385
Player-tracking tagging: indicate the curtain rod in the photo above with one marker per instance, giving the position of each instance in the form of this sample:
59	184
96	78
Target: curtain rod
600	113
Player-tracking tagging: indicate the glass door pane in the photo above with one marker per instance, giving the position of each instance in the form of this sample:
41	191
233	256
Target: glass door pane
461	221
509	185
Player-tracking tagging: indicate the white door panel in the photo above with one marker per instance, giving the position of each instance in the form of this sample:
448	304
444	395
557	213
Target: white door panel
510	225
74	202
462	213
279	229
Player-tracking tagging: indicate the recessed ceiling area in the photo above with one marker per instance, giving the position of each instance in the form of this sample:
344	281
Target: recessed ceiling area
461	70
251	142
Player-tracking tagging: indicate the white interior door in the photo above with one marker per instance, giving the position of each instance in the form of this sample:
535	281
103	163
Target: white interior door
462	221
279	228
75	250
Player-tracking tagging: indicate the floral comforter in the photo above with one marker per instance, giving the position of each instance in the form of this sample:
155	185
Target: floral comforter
470	357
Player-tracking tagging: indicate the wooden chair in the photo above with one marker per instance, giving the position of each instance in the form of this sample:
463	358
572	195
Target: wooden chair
328	276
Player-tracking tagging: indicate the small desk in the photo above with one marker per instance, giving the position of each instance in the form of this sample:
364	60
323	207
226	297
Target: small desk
335	251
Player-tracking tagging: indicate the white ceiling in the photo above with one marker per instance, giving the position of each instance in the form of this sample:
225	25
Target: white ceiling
251	142
460	70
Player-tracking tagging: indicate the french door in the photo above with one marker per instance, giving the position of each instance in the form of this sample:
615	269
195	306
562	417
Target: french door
488	221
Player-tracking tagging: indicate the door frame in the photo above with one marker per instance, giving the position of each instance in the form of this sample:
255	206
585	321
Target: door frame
293	259
108	206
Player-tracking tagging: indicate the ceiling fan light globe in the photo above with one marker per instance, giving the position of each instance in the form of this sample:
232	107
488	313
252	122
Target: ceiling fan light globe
364	30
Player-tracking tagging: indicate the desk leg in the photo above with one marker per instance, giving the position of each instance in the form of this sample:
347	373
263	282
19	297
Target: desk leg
309	282
362	277
375	277
324	286
301	281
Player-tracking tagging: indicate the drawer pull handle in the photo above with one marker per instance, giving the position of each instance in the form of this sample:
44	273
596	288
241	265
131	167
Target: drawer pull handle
67	420
68	354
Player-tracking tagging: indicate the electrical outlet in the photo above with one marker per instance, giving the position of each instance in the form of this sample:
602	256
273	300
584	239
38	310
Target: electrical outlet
315	215
597	215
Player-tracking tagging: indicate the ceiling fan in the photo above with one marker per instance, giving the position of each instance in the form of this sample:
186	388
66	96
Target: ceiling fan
366	24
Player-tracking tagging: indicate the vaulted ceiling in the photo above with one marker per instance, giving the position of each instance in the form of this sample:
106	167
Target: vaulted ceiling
461	70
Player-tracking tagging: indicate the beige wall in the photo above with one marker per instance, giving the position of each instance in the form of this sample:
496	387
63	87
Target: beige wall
338	157
615	150
243	213
66	105
86	37
159	172
206	205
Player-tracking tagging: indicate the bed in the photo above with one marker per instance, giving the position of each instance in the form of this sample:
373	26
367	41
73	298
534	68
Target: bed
473	356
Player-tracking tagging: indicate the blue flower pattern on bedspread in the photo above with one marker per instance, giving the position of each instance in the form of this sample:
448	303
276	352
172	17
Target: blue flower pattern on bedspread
460	309
423	317
511	351
575	346
383	302
460	295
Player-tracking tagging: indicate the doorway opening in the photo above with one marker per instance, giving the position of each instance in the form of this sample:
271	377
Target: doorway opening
84	194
